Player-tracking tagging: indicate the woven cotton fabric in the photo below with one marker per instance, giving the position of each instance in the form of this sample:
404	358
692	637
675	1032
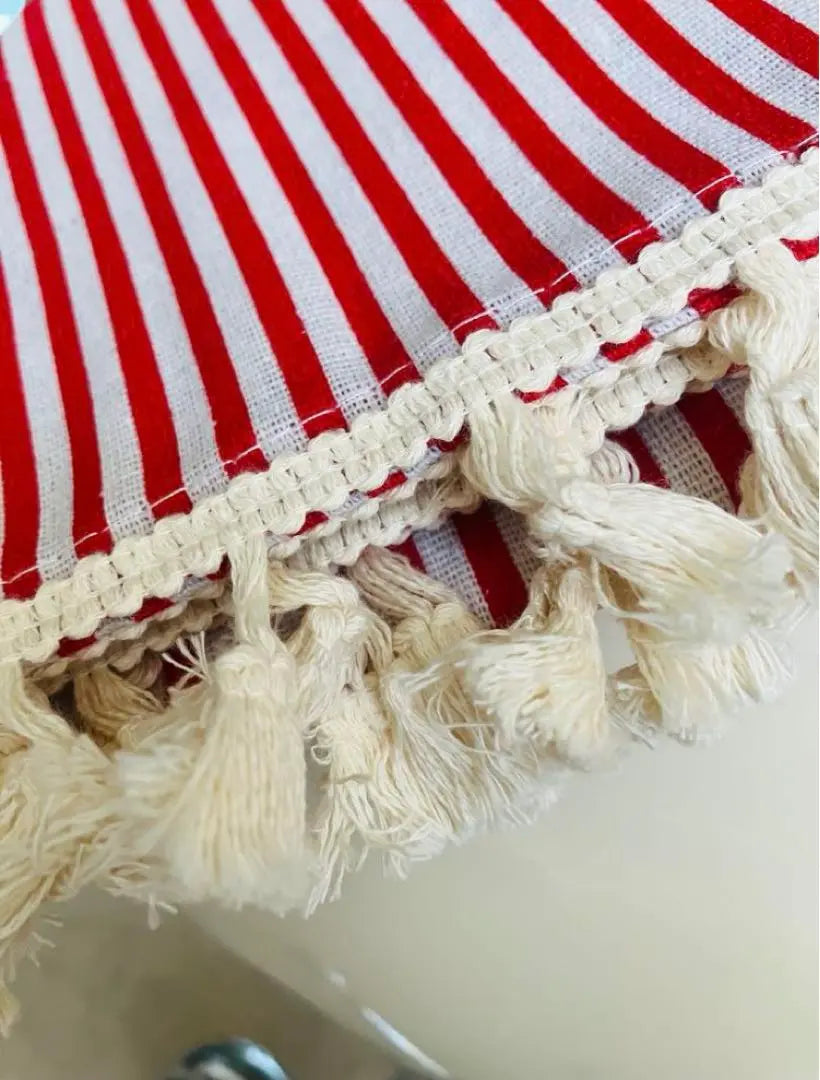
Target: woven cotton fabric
228	226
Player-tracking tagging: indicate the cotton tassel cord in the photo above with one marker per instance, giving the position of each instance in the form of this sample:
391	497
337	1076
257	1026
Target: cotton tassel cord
446	749
336	642
688	687
58	824
385	767
544	680
773	330
220	786
704	596
430	762
686	572
106	702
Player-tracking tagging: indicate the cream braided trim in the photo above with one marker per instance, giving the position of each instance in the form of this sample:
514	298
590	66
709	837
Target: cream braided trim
417	504
426	504
527	357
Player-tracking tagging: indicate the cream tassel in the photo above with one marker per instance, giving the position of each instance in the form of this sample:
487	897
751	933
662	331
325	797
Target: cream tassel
430	765
373	794
543	680
693	685
699	590
105	702
336	641
58	825
773	329
447	758
220	786
696	572
355	805
437	763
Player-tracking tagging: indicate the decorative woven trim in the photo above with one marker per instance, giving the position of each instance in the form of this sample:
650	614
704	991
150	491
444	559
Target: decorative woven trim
628	391
526	358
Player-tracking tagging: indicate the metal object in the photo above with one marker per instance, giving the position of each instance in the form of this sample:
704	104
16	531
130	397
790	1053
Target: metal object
235	1059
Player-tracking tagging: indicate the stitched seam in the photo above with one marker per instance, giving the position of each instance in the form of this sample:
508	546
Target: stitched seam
527	356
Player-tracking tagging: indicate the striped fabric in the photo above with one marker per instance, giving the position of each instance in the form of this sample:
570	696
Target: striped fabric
227	226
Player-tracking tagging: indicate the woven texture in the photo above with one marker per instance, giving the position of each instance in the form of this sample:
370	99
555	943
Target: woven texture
486	556
229	226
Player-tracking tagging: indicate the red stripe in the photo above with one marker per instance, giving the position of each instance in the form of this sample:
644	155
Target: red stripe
313	518
445	446
720	433
803	249
497	575
295	356
704	79
394	480
233	430
785	35
521	250
408	549
146	393
696	170
611	215
89	529
458	307
531	396
704	301
649	470
389	360
20	493
617	351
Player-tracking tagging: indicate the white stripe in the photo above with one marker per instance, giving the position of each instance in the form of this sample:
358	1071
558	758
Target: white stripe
476	261
263	388
733	391
52	454
193	424
445	560
649	85
682	458
547	216
625	172
743	56
417	324
349	375
125	507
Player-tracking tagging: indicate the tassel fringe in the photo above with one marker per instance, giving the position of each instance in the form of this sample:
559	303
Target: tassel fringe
329	716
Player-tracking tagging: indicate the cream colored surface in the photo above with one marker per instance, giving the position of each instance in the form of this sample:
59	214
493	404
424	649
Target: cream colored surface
116	1001
660	923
